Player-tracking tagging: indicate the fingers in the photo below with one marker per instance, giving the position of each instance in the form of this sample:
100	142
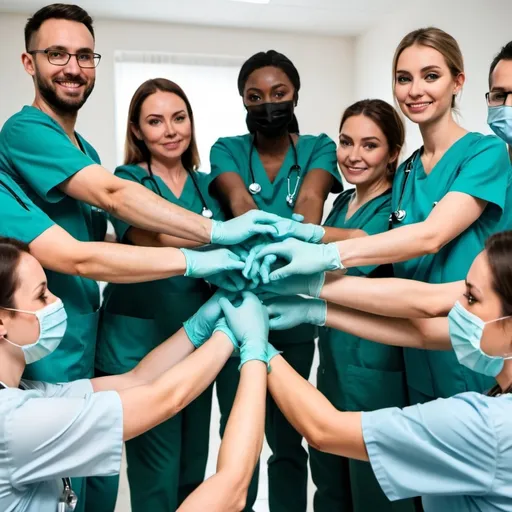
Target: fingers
298	217
267	262
282	273
227	307
277	249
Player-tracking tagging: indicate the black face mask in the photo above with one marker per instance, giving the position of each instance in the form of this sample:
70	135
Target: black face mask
270	119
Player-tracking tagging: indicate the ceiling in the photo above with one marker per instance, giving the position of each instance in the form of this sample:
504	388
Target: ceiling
329	17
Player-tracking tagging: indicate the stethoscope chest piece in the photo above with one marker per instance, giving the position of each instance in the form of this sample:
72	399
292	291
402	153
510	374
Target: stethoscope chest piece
254	188
400	215
207	213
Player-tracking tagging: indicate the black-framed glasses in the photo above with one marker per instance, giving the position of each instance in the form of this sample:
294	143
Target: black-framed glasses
497	98
86	60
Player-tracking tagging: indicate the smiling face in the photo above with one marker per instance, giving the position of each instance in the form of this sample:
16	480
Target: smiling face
64	88
363	151
164	125
424	85
482	300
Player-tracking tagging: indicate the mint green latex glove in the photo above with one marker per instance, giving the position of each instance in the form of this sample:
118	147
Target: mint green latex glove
210	259
222	326
271	352
249	324
294	228
239	229
287	312
301	257
199	327
296	285
230	280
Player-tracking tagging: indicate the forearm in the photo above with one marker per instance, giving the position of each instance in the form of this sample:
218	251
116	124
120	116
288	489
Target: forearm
396	297
148	405
339	234
242	204
313	416
158	361
424	333
151	239
311	206
141	208
400	244
240	447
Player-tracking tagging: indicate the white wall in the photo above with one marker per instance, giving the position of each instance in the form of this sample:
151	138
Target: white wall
325	66
480	27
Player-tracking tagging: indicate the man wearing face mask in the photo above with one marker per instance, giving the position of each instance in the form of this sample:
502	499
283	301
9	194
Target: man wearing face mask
499	98
276	170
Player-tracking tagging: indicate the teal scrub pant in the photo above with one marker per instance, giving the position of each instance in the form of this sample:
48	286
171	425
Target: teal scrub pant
345	485
167	463
226	386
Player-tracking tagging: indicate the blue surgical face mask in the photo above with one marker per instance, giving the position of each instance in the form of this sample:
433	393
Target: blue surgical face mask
500	121
466	330
52	326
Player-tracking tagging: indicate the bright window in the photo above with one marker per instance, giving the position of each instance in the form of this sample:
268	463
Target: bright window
210	83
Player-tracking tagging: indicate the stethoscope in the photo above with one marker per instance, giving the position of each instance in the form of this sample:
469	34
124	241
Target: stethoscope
206	212
68	499
291	196
399	214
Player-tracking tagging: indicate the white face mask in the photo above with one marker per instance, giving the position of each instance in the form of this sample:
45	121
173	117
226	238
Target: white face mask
466	331
52	326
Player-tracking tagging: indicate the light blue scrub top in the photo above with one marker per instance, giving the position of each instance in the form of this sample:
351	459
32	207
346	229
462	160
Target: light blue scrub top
51	431
456	453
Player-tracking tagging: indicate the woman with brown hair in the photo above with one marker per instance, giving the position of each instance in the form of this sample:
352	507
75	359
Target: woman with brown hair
354	373
167	463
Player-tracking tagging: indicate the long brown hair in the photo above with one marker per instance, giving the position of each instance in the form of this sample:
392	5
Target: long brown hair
10	254
387	119
135	150
437	39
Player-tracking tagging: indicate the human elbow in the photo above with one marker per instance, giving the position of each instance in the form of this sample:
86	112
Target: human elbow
316	438
116	195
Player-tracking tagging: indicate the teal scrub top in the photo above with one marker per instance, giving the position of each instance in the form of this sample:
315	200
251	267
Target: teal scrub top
138	317
231	154
52	431
21	218
456	453
477	165
368	375
38	155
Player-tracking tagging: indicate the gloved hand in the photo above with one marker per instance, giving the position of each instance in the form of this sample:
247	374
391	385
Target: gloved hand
287	312
208	260
249	324
241	228
293	228
230	280
302	258
222	326
252	267
271	352
296	285
199	327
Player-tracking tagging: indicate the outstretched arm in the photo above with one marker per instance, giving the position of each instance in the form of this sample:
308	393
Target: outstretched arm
240	449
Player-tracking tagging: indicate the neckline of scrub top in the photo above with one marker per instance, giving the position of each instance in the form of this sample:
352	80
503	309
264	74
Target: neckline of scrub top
261	176
421	170
360	210
164	188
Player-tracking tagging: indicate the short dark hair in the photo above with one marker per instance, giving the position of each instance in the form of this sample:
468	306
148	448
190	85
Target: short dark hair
505	54
56	11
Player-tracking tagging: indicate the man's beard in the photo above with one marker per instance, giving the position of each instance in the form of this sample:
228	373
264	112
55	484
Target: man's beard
63	106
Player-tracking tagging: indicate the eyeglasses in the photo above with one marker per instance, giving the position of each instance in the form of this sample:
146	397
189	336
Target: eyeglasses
85	60
497	98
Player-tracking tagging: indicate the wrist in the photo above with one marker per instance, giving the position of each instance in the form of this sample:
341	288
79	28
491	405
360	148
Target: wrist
333	259
317	312
315	284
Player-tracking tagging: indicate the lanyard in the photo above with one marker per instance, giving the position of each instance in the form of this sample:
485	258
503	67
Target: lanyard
291	196
206	212
68	499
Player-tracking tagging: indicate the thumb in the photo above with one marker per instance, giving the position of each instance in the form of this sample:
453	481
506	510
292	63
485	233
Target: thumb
297	217
281	273
226	306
